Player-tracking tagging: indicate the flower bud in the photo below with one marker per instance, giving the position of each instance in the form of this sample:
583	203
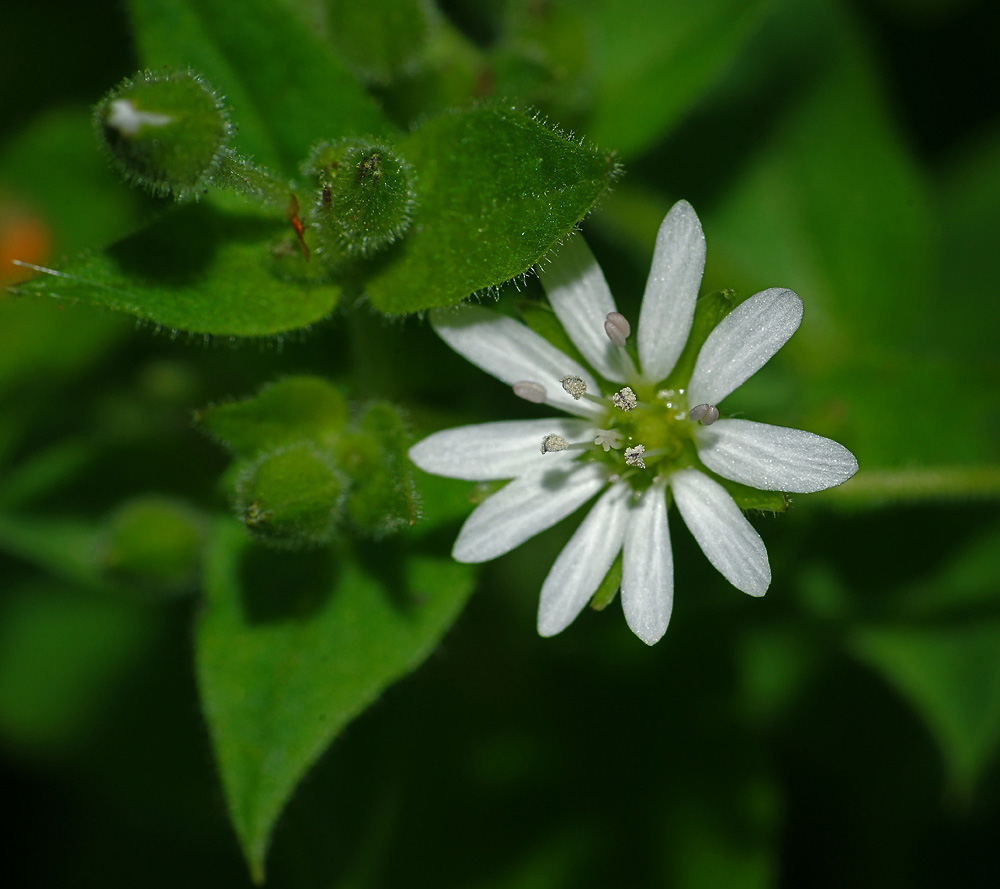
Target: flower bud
166	132
364	195
291	496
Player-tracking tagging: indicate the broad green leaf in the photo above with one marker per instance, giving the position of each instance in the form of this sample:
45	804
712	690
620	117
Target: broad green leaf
285	87
62	653
289	410
655	60
951	676
291	648
201	269
379	38
496	190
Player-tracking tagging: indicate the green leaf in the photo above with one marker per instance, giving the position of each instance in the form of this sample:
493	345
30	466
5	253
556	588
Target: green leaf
380	38
496	190
655	60
951	676
62	654
291	648
289	410
202	269
285	87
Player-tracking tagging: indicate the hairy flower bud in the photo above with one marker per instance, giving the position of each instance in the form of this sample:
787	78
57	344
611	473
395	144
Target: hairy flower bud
166	132
364	195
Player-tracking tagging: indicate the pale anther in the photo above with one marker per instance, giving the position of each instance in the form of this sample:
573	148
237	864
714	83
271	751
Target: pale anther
706	414
633	456
625	399
574	386
530	391
554	442
617	328
608	439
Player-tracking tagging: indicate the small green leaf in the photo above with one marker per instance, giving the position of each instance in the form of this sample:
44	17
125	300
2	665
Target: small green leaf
951	675
292	647
496	191
289	410
206	269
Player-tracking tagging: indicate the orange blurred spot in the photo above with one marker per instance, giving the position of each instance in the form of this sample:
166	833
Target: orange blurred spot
25	237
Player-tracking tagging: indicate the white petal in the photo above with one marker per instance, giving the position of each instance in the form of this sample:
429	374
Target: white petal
581	299
512	352
722	531
671	291
583	563
497	450
742	343
524	508
648	567
774	458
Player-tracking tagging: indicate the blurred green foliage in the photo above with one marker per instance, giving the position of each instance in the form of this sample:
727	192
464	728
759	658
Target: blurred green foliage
842	731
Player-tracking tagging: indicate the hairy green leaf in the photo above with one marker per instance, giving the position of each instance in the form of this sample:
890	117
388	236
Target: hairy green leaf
496	190
201	269
290	648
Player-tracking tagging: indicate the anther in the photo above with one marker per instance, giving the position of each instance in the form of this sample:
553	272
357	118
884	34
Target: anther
530	391
706	414
617	328
608	439
625	399
574	386
633	456
553	443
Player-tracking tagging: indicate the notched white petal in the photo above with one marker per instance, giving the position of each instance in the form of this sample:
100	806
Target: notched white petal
513	353
725	536
648	567
490	451
583	563
774	458
671	291
742	343
581	299
526	507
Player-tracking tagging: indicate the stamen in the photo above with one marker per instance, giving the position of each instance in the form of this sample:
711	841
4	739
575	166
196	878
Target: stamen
574	386
530	391
633	456
625	400
553	443
706	414
608	439
617	328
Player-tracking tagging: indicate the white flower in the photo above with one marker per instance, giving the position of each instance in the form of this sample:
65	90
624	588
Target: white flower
637	445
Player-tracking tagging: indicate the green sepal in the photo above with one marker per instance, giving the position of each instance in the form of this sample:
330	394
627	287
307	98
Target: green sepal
540	317
291	497
748	498
289	410
383	496
609	587
164	132
154	541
